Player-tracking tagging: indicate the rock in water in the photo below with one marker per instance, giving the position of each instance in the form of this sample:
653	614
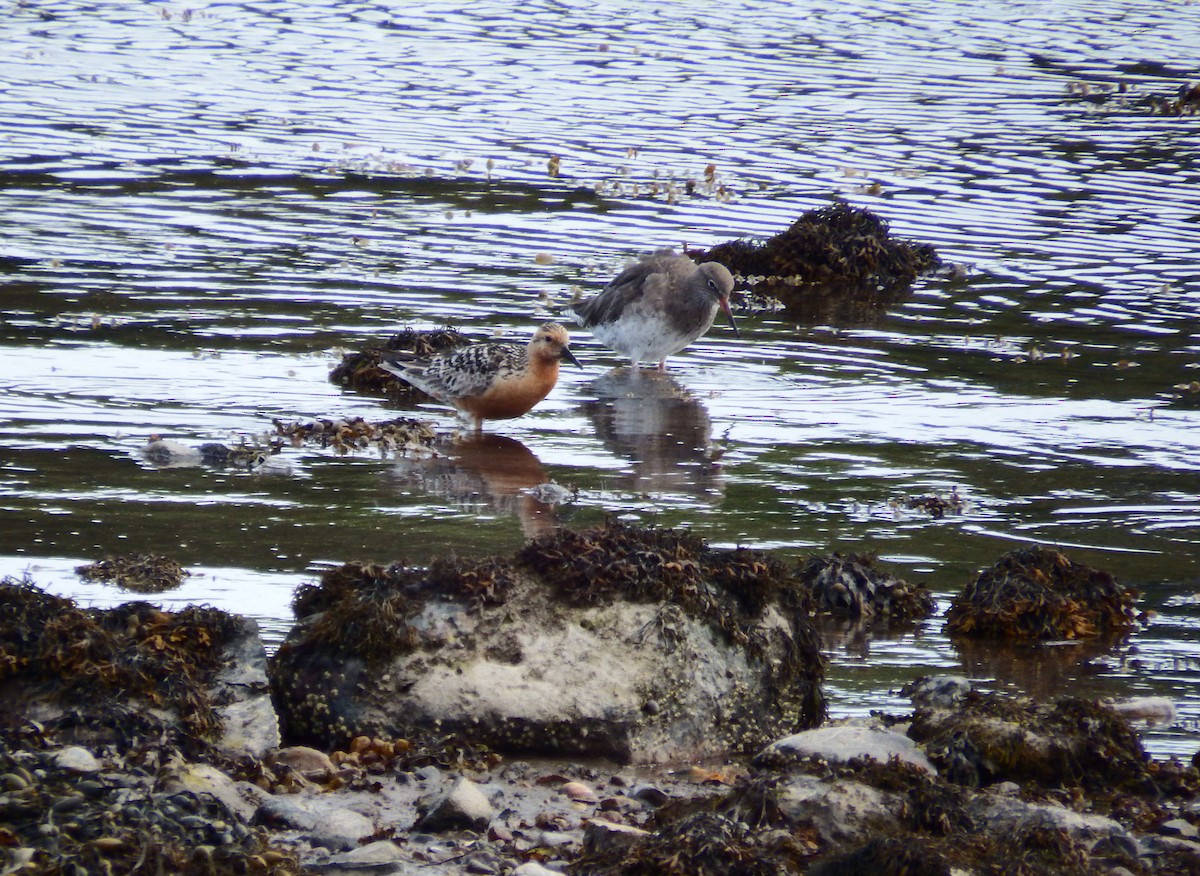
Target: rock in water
632	644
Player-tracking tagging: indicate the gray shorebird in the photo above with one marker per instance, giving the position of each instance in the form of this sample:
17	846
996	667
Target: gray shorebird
492	380
658	306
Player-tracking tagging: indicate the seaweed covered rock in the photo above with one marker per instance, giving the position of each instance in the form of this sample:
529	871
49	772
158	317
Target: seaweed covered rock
398	435
143	573
837	243
855	588
1039	593
628	643
988	738
360	370
90	669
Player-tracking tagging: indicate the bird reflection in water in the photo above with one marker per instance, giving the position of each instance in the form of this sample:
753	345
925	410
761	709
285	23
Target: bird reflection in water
492	471
650	419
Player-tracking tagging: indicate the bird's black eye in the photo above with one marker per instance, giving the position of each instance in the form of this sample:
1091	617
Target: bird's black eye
712	284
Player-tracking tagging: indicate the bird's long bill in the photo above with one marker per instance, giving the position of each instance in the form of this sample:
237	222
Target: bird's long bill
729	315
570	357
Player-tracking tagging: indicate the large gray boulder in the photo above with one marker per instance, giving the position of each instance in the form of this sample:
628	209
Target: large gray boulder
633	644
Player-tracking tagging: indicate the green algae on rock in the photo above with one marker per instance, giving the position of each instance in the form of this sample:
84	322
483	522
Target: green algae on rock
1039	593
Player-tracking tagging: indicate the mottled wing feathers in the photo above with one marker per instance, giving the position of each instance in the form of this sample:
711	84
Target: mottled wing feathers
464	373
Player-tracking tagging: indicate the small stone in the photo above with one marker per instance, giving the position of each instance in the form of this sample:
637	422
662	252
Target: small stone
462	806
604	837
341	829
381	856
554	839
498	833
579	792
1179	827
75	759
650	794
936	691
309	762
530	868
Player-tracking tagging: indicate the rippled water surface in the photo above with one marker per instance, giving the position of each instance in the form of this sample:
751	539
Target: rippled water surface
202	205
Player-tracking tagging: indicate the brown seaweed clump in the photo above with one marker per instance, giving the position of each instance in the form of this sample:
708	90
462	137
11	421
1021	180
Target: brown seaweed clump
361	370
1071	742
363	609
1038	593
346	436
834	244
141	573
701	844
93	658
853	587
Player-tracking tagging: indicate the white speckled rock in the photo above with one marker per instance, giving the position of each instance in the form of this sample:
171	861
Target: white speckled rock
76	759
840	742
462	805
382	856
842	812
340	829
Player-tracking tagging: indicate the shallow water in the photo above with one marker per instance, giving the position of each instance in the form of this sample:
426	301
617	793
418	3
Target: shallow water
202	205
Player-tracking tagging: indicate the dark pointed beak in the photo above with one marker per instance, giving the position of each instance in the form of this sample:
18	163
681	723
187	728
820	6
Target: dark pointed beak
729	316
570	357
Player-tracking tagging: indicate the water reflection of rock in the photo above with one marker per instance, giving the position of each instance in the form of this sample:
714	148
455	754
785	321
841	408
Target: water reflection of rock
492	470
1042	670
650	419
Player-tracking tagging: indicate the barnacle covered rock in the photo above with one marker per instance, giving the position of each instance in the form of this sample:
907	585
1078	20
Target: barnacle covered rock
1039	593
988	738
634	644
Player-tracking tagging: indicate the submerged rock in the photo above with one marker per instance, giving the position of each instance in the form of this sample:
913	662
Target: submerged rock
632	644
1039	593
834	243
143	573
853	587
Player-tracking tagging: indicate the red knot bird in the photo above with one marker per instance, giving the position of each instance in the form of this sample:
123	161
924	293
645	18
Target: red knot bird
655	308
492	380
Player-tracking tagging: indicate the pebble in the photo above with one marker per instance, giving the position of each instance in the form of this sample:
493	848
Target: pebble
462	806
381	856
579	792
309	762
937	691
604	836
341	829
1180	827
530	868
75	759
